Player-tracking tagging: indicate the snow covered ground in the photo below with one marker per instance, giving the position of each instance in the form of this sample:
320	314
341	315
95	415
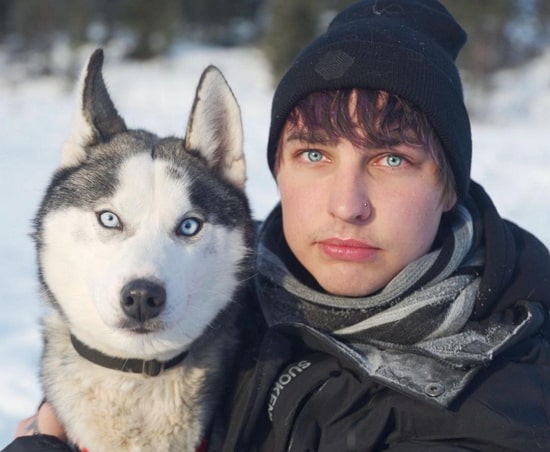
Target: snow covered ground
510	159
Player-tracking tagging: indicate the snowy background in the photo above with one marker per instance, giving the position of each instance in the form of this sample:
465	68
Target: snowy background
511	134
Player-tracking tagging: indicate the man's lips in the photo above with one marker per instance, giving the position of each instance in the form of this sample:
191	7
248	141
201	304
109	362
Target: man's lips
347	249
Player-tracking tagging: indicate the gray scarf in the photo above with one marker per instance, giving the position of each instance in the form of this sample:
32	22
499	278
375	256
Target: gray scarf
416	335
430	298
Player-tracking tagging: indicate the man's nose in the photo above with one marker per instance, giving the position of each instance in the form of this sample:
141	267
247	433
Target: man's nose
348	199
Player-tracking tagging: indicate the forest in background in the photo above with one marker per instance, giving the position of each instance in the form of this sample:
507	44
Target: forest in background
502	34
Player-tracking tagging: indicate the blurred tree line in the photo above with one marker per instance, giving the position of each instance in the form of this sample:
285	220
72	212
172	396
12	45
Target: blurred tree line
32	29
502	33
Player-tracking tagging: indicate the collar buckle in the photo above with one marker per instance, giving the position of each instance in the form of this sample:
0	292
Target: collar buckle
152	368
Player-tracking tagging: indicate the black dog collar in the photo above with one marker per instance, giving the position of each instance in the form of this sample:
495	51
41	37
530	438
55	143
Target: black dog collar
150	367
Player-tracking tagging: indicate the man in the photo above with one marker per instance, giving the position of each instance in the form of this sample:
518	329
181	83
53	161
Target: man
402	313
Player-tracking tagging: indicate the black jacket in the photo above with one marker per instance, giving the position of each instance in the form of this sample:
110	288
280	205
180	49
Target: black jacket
320	400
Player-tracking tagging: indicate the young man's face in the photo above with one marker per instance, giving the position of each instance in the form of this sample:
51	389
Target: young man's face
349	248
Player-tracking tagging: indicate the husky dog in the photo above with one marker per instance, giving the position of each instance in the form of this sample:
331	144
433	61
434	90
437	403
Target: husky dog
143	244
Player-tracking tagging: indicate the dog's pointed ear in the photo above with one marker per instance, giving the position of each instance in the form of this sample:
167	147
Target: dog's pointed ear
97	119
215	129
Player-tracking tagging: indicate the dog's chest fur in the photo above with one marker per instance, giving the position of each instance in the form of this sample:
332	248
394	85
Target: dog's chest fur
127	411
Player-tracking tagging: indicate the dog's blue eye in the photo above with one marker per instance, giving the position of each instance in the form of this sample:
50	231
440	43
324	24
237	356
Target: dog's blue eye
109	220
190	227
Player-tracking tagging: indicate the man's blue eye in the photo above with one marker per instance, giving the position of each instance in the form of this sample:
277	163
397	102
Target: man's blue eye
394	160
314	156
190	227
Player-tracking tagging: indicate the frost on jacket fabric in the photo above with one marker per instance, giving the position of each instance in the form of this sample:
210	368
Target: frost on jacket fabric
484	387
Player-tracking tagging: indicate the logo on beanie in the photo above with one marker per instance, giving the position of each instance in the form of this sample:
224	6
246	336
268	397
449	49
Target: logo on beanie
334	64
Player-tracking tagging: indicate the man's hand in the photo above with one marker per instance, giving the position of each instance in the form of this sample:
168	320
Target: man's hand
43	422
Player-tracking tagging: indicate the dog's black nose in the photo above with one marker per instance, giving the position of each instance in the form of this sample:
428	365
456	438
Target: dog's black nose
142	299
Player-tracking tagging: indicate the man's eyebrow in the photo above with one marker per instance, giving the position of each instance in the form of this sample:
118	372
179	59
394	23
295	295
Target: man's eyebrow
318	137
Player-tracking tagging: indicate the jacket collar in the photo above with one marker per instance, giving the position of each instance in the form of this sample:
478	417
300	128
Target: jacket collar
437	371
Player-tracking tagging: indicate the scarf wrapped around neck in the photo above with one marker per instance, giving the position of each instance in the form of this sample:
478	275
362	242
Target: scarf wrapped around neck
432	297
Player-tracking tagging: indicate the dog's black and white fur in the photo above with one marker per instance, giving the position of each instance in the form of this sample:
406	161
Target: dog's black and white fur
143	244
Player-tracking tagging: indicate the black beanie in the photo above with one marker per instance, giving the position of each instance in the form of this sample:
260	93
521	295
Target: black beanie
405	47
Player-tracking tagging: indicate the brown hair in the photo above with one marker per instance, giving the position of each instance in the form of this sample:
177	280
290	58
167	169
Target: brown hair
379	120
